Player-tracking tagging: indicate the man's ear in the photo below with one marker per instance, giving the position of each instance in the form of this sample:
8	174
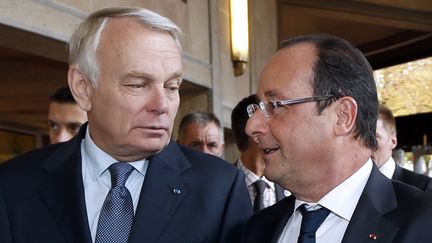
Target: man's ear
346	115
393	140
80	87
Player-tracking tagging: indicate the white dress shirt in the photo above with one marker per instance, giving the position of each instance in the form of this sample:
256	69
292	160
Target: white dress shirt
388	168
97	179
341	201
251	178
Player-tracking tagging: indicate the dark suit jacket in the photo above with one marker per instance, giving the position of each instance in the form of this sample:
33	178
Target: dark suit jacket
42	198
414	179
391	210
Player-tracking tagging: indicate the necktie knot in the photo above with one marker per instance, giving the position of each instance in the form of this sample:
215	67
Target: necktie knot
260	186
120	172
311	222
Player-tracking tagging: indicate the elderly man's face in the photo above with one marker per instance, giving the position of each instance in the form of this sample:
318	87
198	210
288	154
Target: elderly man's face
134	104
387	141
292	141
205	138
64	120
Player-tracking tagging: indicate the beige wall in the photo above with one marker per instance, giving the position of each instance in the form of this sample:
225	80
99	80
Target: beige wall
206	43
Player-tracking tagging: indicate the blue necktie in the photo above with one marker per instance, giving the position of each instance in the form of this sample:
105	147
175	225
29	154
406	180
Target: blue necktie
116	216
310	223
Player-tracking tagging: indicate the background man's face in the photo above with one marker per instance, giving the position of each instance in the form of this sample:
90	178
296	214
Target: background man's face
386	143
64	120
207	138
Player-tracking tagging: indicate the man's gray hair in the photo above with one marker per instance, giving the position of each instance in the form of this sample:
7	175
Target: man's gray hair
85	39
202	118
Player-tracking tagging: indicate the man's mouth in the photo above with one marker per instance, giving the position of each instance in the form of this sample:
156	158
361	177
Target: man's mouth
270	150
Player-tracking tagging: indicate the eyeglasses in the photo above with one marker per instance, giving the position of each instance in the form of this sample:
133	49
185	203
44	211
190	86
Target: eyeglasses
268	108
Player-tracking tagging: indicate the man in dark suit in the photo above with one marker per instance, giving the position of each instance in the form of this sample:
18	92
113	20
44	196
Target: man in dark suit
387	141
121	179
315	125
251	162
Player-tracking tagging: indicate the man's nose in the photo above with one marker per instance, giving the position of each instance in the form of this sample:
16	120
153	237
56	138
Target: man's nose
159	101
256	126
63	136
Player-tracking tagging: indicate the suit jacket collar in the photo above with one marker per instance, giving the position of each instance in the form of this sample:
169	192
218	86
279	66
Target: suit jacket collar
62	189
163	191
377	200
398	174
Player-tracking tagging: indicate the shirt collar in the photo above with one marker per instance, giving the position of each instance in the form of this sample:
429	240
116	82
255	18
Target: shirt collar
99	161
343	199
251	178
388	168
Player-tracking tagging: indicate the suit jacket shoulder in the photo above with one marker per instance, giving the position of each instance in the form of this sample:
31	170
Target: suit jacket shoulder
392	211
420	181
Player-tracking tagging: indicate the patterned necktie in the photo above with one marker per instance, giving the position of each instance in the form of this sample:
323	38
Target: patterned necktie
310	223
260	186
116	216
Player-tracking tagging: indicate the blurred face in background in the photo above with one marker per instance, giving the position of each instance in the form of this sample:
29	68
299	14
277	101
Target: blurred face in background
205	138
387	141
64	121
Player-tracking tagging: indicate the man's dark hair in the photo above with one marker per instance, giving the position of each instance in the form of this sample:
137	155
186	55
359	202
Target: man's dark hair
341	69
202	118
62	95
239	119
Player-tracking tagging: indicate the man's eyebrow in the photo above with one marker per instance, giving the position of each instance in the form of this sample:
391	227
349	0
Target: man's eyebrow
177	74
137	74
271	93
148	76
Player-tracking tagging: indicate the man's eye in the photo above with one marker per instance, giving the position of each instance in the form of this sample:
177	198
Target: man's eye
136	86
194	145
74	127
212	145
173	88
53	125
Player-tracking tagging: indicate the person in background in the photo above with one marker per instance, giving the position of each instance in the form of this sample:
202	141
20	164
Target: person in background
315	127
202	131
387	141
121	179
65	117
263	193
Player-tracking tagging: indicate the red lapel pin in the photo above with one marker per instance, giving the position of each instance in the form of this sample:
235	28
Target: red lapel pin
373	236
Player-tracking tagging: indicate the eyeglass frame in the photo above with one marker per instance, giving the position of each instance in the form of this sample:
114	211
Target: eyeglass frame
251	108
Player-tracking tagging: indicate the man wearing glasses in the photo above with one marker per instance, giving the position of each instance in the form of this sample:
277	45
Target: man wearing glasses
315	126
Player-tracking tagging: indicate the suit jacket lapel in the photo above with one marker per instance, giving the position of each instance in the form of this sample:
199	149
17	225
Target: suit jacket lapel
398	174
63	192
289	205
378	198
161	195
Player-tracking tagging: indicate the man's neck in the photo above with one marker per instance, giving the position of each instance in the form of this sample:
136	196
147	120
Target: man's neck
253	162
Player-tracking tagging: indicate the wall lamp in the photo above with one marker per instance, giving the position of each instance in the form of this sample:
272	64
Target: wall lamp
239	21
